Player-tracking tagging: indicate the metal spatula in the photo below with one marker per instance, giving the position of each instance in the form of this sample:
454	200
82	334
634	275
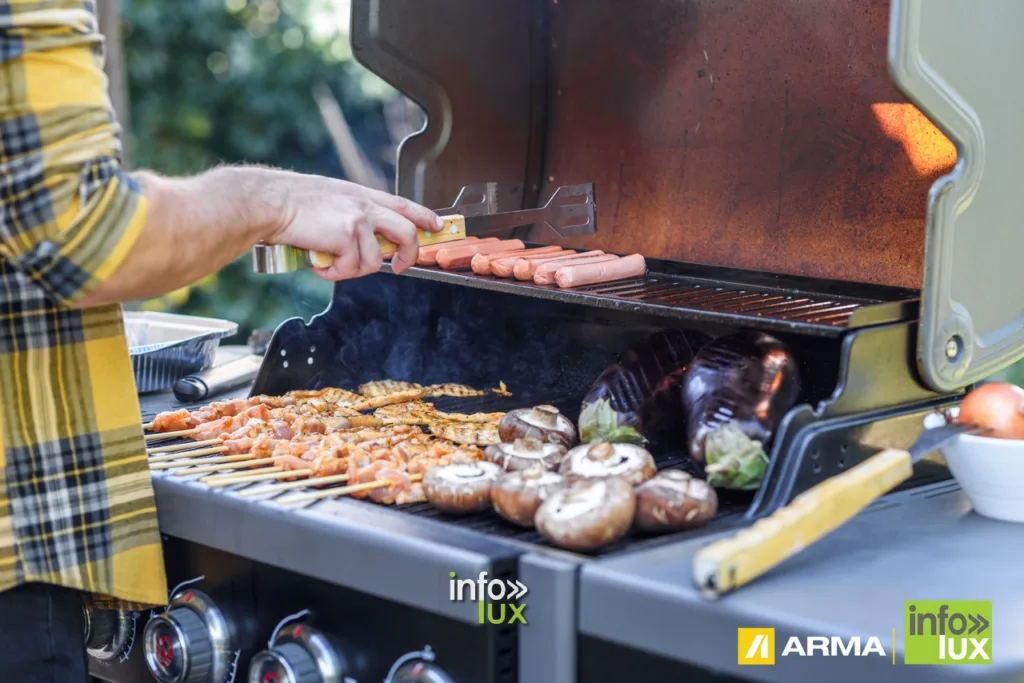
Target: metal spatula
570	211
726	565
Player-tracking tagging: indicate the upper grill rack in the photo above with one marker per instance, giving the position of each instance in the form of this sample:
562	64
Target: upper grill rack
787	304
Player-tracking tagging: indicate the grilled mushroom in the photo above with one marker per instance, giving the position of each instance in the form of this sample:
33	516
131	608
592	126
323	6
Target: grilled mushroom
675	500
588	514
460	488
524	453
625	460
517	495
544	423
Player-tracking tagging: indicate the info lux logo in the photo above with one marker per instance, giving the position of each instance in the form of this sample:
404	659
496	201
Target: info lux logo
947	632
493	597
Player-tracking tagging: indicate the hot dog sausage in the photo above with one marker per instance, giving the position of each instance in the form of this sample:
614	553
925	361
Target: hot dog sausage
545	274
481	263
459	258
524	269
428	255
502	265
595	272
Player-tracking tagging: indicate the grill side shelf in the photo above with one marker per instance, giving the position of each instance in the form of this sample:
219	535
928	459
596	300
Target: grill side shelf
707	299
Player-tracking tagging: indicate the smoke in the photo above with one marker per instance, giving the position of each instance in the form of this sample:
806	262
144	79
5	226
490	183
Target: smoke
430	332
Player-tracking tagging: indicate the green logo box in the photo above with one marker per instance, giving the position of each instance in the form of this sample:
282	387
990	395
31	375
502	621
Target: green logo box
947	632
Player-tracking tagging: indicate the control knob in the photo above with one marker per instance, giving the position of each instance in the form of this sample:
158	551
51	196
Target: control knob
298	654
190	642
108	632
419	671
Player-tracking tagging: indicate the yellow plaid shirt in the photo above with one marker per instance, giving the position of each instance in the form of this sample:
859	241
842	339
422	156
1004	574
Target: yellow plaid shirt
76	500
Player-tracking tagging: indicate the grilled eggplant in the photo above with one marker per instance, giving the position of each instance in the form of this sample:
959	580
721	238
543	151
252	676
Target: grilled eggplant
632	396
735	393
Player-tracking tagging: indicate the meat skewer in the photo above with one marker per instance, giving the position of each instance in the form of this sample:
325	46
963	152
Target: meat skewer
265	474
170	435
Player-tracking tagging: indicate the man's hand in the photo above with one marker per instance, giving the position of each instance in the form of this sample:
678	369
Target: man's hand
341	218
195	226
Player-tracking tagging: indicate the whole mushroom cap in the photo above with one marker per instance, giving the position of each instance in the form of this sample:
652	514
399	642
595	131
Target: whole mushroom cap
517	495
525	453
629	461
675	500
544	423
462	487
587	514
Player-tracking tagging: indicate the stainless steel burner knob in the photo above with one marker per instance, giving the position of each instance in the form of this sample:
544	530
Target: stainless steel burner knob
421	672
108	632
299	654
189	643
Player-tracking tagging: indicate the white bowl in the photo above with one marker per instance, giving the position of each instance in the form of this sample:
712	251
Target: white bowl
990	472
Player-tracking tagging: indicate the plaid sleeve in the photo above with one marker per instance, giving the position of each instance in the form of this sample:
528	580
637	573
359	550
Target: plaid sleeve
68	213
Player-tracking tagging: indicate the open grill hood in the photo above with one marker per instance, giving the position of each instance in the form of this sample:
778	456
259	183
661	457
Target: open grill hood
764	138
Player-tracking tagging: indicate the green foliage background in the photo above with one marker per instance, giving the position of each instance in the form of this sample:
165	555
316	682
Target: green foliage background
230	81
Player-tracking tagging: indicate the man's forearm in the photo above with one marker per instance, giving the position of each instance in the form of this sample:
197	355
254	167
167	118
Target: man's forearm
194	227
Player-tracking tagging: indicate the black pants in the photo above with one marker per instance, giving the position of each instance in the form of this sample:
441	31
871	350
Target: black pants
41	635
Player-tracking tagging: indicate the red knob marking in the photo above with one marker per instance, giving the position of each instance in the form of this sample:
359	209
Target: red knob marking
188	597
270	677
298	630
165	651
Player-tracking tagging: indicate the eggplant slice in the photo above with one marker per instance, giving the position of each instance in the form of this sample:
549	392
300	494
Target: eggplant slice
736	392
631	397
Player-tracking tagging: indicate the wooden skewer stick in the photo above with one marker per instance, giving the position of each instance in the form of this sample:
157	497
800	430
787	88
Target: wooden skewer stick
183	446
342	491
257	475
265	475
205	461
147	426
189	455
170	435
226	466
216	480
303	483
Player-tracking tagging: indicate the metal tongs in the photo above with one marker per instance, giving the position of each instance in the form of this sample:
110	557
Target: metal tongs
570	211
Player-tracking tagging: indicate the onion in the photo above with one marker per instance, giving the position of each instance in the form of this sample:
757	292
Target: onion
997	407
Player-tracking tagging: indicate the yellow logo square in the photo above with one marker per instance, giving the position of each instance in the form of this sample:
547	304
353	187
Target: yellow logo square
755	646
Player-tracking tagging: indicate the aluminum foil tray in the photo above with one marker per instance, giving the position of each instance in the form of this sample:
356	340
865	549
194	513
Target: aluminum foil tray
166	347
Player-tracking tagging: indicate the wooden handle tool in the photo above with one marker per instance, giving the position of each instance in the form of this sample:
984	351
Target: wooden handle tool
733	562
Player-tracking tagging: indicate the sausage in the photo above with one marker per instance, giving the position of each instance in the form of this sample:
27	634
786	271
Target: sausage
459	258
596	272
428	255
545	274
525	269
503	266
482	265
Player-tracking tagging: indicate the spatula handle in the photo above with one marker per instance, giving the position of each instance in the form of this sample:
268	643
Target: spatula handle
733	562
277	258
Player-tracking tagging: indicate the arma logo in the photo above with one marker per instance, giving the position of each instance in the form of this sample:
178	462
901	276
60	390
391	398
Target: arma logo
755	646
948	632
500	593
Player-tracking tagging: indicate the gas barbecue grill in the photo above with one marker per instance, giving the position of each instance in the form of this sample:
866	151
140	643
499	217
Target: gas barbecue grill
764	157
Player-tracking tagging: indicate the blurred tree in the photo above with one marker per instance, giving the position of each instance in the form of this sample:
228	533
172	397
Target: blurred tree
230	81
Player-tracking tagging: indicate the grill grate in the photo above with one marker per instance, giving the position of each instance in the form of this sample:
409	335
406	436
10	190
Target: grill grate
731	508
792	306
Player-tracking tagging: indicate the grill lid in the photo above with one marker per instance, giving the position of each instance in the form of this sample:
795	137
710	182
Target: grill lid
955	61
